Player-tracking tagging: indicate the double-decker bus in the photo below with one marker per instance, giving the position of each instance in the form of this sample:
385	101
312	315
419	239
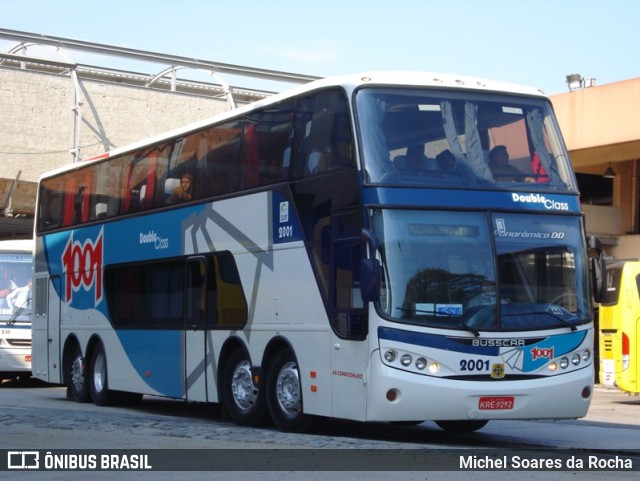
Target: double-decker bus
385	247
16	270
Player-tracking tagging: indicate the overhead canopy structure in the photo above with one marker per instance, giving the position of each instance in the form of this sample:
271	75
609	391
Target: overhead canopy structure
17	198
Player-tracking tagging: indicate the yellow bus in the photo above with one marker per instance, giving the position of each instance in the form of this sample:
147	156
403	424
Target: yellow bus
619	322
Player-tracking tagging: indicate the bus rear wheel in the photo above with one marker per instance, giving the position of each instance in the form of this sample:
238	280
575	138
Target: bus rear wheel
243	400
76	376
99	383
284	393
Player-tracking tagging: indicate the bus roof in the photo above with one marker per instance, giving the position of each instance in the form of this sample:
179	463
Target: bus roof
349	82
16	245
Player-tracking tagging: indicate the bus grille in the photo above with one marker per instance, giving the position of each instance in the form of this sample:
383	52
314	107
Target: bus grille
608	344
19	342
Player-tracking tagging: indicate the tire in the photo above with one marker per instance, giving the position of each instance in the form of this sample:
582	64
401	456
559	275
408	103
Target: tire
76	377
284	394
461	426
243	400
99	378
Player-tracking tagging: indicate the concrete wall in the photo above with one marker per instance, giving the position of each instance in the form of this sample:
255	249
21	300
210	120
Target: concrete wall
600	124
601	129
36	118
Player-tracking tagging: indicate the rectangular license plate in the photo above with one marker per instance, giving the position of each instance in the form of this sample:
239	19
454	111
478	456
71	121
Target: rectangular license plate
487	403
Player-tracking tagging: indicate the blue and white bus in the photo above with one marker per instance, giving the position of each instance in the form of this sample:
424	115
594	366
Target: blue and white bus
382	247
16	271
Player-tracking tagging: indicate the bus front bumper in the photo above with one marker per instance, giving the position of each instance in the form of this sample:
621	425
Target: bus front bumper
15	360
396	395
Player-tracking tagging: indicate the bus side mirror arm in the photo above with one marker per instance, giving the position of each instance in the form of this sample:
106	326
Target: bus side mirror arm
598	268
370	270
598	277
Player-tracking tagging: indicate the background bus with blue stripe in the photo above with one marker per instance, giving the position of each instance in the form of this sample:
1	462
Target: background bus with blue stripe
382	247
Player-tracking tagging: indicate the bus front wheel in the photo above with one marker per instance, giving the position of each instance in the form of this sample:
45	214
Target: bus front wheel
243	400
284	393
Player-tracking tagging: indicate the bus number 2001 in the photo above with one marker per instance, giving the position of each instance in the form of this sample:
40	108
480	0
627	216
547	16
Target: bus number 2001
285	232
474	365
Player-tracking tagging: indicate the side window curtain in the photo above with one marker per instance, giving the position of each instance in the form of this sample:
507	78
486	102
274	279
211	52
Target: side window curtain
218	149
266	147
140	181
323	134
51	201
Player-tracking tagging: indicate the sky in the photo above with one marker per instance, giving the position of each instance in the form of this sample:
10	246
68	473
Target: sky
535	43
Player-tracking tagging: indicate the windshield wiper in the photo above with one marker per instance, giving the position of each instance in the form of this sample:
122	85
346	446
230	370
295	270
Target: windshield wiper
466	326
555	316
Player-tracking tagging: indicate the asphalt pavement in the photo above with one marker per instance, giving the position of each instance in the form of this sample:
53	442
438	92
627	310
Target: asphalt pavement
614	406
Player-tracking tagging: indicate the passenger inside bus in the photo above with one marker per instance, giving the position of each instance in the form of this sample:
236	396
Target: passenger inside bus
486	296
502	170
414	162
184	191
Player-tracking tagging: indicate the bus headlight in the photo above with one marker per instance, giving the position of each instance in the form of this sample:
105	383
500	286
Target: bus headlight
421	363
586	355
409	361
564	363
390	355
575	359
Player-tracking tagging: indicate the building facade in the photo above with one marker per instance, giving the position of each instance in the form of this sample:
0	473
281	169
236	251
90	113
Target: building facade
601	126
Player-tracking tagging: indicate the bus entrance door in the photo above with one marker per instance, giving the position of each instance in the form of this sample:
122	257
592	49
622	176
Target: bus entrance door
53	330
195	333
46	331
349	319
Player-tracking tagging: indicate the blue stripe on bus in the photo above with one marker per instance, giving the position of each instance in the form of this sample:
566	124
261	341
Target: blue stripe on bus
158	358
553	347
536	352
436	341
472	199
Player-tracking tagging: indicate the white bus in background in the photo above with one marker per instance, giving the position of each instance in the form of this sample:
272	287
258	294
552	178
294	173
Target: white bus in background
16	271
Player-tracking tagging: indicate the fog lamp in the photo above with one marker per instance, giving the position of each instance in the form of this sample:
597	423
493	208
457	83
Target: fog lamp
405	360
575	359
390	355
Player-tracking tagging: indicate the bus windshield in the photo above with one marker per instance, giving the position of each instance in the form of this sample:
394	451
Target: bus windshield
15	286
463	139
441	270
